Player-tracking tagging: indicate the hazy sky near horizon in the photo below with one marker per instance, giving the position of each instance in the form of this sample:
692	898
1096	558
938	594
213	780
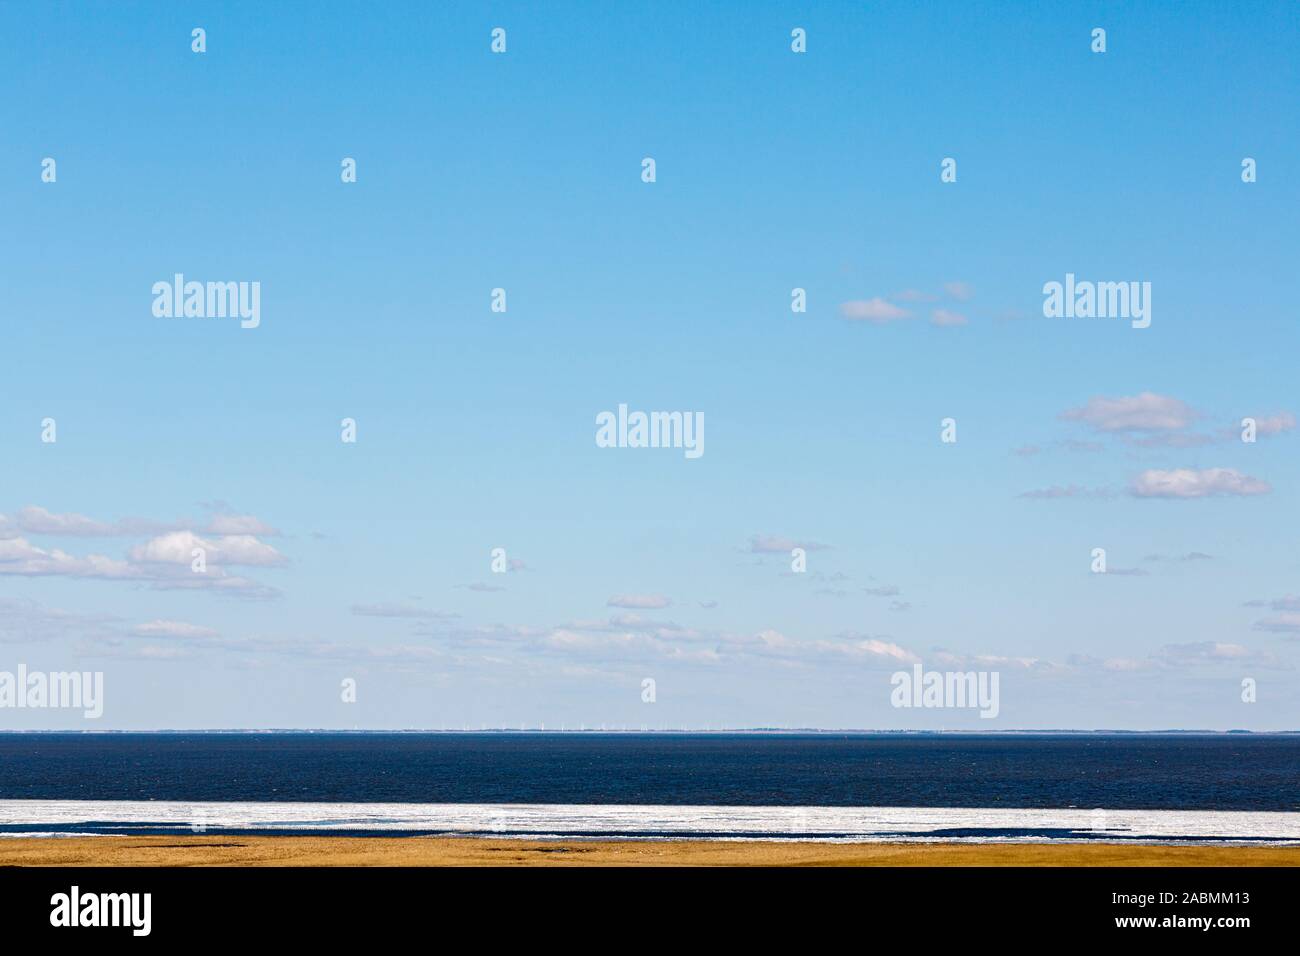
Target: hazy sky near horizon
775	170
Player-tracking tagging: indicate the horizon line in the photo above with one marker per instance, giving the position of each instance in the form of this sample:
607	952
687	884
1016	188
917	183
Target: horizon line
767	731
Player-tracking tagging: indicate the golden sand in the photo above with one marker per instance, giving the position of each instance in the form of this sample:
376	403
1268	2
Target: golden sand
462	851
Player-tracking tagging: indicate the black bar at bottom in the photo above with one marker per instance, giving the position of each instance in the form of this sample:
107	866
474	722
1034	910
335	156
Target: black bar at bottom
533	905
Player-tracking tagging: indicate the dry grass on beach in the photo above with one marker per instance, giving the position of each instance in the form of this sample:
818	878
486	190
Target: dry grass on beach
461	851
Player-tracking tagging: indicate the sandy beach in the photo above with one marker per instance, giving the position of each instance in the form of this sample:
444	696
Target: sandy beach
461	851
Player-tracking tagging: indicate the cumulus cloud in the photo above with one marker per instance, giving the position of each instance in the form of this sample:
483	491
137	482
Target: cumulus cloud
877	311
1196	483
1144	412
946	318
162	563
232	549
20	558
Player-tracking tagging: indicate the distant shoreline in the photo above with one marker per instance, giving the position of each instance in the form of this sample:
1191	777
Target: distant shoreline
695	732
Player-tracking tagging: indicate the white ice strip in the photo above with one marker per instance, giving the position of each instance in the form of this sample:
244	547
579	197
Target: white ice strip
858	823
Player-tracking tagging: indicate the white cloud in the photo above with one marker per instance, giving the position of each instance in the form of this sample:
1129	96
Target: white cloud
1144	412
232	549
946	318
18	556
959	290
162	563
1196	483
1274	424
623	644
774	644
36	520
876	311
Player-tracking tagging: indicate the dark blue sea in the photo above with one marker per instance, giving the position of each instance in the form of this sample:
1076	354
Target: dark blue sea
1227	772
819	786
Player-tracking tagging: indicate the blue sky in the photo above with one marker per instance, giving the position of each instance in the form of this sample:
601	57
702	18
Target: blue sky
775	170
